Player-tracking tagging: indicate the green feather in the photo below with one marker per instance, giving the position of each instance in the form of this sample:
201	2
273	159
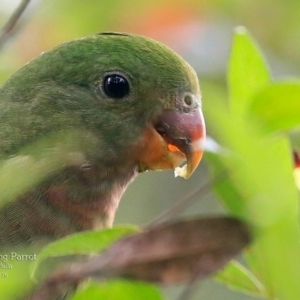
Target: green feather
53	101
61	89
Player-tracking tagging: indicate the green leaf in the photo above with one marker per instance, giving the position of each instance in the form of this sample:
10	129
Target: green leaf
278	106
224	187
84	243
237	277
34	162
120	290
247	71
15	281
261	170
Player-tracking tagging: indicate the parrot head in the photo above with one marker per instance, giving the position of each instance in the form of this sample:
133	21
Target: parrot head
139	97
134	106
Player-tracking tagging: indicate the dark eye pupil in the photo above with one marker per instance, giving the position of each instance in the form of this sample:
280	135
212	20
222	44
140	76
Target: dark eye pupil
116	86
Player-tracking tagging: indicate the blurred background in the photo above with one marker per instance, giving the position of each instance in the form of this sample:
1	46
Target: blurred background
199	30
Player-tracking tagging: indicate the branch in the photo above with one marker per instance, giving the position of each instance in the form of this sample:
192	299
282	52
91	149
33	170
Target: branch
8	29
169	253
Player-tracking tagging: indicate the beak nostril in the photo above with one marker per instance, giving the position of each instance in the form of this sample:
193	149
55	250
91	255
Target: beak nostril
188	99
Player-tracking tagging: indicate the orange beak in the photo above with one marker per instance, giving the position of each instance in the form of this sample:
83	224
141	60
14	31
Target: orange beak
174	138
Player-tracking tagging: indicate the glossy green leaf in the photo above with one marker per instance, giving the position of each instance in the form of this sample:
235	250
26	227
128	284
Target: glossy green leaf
119	290
247	71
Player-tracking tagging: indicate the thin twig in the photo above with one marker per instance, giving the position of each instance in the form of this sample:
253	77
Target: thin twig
189	291
186	202
9	28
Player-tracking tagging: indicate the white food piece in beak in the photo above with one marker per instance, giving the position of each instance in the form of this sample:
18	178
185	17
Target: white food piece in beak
181	171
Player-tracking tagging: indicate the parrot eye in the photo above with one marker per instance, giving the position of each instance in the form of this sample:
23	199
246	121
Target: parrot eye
115	86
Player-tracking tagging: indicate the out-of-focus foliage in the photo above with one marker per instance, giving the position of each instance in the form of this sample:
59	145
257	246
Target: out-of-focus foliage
15	281
119	289
261	168
84	243
200	30
42	158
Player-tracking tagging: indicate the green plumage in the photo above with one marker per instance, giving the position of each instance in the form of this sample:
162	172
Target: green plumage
61	91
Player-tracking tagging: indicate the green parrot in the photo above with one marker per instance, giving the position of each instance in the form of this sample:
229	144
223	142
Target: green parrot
132	104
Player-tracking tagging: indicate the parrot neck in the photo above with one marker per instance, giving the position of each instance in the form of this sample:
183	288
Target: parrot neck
74	200
90	196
